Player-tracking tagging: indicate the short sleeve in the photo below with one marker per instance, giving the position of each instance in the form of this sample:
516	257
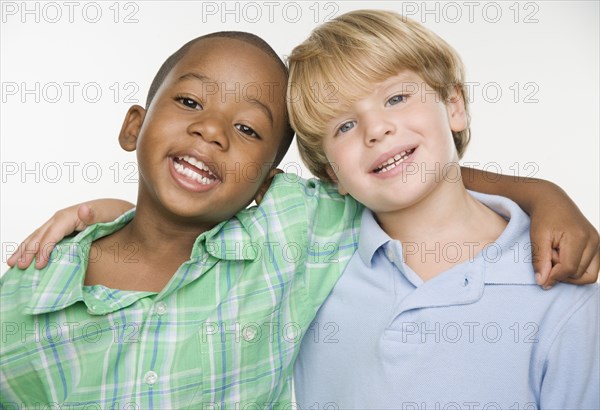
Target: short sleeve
571	377
313	232
333	233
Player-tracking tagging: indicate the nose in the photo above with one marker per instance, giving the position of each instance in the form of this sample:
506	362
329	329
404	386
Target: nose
378	125
211	128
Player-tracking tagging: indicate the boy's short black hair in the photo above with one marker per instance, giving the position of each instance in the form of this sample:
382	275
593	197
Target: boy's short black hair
249	38
172	61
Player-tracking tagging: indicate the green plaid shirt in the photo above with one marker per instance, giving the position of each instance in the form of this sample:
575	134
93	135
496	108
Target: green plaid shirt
223	333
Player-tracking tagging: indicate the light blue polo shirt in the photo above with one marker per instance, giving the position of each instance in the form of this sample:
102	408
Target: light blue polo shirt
482	335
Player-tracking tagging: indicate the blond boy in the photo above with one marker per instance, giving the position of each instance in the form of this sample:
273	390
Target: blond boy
438	307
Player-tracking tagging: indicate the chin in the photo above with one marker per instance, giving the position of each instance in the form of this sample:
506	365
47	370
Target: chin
402	198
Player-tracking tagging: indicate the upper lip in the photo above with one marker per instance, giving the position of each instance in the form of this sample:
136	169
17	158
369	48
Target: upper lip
390	154
210	164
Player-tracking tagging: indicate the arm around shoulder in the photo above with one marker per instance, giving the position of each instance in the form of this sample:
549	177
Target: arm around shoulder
40	243
565	245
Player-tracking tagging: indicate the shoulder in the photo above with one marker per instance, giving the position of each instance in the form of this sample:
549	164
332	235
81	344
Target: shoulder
32	290
571	325
572	303
559	311
18	287
292	200
291	185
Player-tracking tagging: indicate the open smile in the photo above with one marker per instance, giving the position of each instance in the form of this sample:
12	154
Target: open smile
393	161
193	174
195	169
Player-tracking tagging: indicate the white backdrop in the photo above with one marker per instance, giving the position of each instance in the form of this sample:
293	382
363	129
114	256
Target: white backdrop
69	71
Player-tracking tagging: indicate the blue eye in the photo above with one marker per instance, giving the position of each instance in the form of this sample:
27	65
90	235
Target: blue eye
247	130
188	102
396	99
347	126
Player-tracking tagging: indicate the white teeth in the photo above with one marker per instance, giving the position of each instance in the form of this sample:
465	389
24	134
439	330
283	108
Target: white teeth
197	163
394	161
191	174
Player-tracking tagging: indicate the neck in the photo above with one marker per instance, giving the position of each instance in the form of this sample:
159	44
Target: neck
446	214
161	235
447	207
146	253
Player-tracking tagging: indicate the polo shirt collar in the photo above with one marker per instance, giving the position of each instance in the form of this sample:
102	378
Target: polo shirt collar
513	244
371	237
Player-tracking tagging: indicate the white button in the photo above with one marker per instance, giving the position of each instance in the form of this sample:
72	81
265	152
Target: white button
150	377
161	308
92	309
249	333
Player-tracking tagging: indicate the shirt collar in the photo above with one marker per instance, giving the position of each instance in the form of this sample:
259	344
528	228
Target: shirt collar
512	245
229	240
371	238
60	283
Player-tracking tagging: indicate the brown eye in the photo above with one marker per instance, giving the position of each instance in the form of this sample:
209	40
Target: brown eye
189	103
247	130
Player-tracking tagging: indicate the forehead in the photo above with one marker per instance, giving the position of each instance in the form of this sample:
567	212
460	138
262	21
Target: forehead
346	94
235	71
233	61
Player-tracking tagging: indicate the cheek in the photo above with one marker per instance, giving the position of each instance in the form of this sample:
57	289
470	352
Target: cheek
341	152
254	174
446	145
253	165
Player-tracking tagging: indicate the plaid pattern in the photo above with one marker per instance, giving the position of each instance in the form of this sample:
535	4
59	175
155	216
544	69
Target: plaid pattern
223	333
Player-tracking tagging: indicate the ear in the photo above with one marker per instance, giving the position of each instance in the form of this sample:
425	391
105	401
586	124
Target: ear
457	116
130	130
329	168
262	191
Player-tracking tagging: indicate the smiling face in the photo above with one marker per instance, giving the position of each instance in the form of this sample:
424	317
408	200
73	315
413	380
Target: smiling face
392	147
211	134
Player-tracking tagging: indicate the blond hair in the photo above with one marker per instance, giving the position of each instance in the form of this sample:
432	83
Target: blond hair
357	50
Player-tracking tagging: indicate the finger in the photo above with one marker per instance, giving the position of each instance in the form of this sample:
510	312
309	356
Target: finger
541	253
259	196
99	211
550	279
590	275
63	223
27	250
43	240
569	254
16	256
47	244
586	259
262	191
555	256
86	215
594	267
592	247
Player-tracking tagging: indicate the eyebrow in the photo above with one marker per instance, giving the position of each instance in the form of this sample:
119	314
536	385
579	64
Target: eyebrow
260	105
197	76
406	76
263	107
